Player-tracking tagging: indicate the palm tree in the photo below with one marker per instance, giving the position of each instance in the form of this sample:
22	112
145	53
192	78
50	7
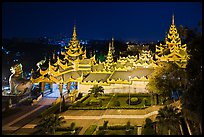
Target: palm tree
96	90
148	127
49	123
169	117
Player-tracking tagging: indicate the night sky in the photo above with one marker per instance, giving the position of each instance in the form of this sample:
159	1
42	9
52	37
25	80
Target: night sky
97	20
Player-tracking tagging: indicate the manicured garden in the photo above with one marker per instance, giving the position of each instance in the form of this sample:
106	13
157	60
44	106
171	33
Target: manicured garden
112	101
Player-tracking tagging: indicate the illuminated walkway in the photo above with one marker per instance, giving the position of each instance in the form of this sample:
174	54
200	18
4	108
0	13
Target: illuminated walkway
112	116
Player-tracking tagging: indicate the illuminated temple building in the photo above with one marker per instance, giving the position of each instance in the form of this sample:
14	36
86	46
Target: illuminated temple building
127	74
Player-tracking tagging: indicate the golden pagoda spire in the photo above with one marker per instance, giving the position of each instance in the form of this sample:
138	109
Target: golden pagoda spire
113	49
109	60
49	65
74	33
173	19
53	56
112	41
178	53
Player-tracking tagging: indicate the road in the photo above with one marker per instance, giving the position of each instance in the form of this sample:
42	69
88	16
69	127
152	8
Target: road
28	114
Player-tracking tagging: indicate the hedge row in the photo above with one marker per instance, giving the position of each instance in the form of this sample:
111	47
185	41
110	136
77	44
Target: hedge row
81	100
133	95
90	130
116	127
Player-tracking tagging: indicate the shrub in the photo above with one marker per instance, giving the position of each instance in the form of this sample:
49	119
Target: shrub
133	99
73	126
135	102
117	127
148	127
105	125
90	130
117	103
146	102
128	125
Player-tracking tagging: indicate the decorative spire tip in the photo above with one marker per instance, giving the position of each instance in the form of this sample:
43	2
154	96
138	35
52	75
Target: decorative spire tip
173	19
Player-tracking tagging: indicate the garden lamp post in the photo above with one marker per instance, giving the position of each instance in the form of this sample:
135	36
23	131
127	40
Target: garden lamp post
129	89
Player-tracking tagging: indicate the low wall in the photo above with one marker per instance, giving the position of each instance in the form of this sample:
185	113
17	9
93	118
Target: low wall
136	87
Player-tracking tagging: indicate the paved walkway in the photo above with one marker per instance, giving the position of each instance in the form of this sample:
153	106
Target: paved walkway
11	125
112	116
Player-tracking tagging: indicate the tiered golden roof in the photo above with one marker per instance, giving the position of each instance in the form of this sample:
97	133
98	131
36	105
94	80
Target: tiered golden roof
74	60
75	64
109	60
74	51
172	50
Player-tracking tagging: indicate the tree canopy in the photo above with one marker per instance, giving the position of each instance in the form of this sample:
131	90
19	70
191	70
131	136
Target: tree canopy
166	78
49	124
96	90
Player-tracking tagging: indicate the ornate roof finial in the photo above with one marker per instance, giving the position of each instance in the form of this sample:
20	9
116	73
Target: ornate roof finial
173	19
32	71
53	55
74	33
113	45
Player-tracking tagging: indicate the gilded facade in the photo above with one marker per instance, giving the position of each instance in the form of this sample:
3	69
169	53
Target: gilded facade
127	74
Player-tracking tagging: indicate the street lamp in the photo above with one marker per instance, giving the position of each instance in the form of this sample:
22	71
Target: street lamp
129	89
